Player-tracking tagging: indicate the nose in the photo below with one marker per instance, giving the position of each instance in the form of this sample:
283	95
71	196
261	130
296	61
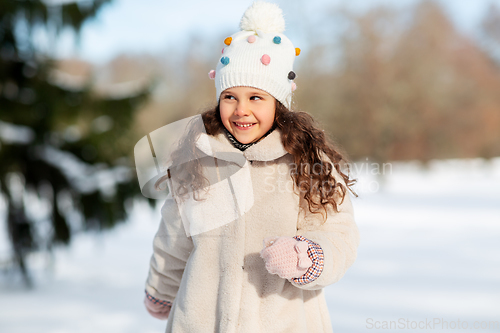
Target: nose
242	109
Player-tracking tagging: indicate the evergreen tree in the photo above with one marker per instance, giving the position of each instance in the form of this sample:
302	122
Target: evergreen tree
68	148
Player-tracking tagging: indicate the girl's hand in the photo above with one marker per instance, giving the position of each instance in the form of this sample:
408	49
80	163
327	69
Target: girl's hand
157	310
285	257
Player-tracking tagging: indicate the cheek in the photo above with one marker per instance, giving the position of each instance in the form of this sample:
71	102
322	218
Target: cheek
224	115
270	120
267	119
270	114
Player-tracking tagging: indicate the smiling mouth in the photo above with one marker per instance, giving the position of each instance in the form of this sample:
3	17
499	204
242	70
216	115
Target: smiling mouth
243	125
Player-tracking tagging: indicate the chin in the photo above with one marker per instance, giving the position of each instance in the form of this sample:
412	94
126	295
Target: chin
247	141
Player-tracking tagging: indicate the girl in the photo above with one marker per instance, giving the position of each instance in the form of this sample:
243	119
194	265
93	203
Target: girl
258	219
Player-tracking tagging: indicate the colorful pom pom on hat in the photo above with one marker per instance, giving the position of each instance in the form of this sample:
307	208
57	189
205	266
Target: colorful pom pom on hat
247	54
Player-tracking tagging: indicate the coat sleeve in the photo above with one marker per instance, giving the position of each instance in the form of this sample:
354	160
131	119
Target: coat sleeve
338	238
171	250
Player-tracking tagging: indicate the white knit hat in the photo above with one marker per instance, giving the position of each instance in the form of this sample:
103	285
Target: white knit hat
259	55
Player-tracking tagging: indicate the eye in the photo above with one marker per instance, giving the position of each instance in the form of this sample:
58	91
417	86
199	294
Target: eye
255	98
229	97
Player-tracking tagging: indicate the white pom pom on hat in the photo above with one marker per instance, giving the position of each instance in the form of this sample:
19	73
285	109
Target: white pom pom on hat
259	55
264	16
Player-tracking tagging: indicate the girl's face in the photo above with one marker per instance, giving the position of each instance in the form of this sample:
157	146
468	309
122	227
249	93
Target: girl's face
247	113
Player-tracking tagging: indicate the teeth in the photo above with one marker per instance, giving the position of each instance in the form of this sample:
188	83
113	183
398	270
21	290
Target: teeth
241	125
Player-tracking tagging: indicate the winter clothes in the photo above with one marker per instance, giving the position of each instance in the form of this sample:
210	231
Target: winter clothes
314	253
218	281
286	257
157	308
260	55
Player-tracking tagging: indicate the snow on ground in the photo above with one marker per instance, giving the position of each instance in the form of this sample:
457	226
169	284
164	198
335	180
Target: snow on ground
429	252
429	257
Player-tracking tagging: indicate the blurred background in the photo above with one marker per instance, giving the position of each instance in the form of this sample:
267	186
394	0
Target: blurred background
410	89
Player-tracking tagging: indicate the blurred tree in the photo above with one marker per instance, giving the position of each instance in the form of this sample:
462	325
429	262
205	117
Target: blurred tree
64	149
490	28
451	90
407	85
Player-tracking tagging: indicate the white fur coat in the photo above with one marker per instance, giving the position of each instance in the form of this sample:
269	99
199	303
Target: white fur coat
215	277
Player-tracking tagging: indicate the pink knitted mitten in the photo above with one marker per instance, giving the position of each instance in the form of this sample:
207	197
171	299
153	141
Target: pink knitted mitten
286	257
157	310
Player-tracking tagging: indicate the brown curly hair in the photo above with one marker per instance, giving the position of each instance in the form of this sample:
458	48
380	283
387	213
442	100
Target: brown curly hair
301	137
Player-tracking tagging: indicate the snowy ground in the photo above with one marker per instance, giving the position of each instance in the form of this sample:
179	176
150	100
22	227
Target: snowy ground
429	257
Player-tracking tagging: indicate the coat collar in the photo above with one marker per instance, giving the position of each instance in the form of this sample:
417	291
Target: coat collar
219	146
